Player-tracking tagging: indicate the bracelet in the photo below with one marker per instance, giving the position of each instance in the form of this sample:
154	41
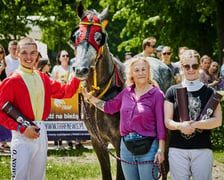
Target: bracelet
160	151
18	129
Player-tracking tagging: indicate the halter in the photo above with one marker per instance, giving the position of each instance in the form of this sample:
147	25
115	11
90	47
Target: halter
89	25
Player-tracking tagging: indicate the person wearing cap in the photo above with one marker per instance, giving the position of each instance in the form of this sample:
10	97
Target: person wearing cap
159	51
128	55
30	92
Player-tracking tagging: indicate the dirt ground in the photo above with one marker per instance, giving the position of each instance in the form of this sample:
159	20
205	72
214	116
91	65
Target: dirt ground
218	171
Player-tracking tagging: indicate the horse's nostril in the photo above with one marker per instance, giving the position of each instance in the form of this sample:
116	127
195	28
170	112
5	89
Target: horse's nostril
85	71
77	71
73	69
81	71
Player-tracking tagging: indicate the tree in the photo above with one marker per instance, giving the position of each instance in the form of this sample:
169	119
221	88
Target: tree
175	23
196	24
14	18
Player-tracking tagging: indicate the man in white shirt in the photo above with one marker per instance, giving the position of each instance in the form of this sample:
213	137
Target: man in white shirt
12	61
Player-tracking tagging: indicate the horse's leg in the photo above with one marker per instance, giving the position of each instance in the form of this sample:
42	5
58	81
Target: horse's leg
116	143
103	158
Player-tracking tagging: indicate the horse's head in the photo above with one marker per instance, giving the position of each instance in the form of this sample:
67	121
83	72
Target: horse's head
89	39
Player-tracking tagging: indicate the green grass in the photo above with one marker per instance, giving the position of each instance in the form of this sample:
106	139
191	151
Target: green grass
5	167
219	156
74	164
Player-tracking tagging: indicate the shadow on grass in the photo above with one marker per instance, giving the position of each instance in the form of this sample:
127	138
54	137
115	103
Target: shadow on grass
65	152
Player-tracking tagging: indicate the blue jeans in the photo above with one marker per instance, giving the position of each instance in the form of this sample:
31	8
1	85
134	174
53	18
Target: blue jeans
138	171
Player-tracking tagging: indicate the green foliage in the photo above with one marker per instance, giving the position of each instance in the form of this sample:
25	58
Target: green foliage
175	23
217	134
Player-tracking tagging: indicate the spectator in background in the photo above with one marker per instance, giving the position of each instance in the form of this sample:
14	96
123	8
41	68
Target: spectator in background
148	46
44	65
128	55
205	65
37	60
61	72
2	63
166	58
159	51
62	69
12	61
3	145
180	52
214	74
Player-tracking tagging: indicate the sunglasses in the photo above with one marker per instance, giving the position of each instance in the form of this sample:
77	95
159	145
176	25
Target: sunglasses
167	53
188	66
1	52
153	46
65	55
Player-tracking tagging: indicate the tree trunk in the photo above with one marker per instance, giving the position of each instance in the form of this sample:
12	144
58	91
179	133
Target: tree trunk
220	28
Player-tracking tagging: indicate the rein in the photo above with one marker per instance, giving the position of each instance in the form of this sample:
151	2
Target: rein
99	139
96	87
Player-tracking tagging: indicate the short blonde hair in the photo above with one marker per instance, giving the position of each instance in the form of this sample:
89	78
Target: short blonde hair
129	70
189	54
26	41
205	57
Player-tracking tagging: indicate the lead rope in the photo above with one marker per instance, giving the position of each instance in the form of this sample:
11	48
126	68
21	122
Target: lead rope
115	156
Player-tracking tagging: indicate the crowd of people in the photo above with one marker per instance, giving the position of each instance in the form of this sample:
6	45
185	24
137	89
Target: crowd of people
146	112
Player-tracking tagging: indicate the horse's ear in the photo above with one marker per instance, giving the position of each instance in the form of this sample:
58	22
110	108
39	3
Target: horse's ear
103	14
104	23
80	9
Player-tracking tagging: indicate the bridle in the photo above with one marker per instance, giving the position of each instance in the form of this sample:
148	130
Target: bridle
90	24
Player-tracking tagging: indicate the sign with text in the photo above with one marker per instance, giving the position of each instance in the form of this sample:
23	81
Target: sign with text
65	121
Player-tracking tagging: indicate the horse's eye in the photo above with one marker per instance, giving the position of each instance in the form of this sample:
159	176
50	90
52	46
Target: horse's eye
98	37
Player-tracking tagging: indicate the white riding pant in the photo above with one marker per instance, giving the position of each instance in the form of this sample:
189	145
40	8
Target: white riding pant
29	156
185	163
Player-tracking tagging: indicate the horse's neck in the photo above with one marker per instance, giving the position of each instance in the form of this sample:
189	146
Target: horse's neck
105	66
105	73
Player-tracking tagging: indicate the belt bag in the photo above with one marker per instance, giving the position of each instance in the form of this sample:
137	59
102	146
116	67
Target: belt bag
139	146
